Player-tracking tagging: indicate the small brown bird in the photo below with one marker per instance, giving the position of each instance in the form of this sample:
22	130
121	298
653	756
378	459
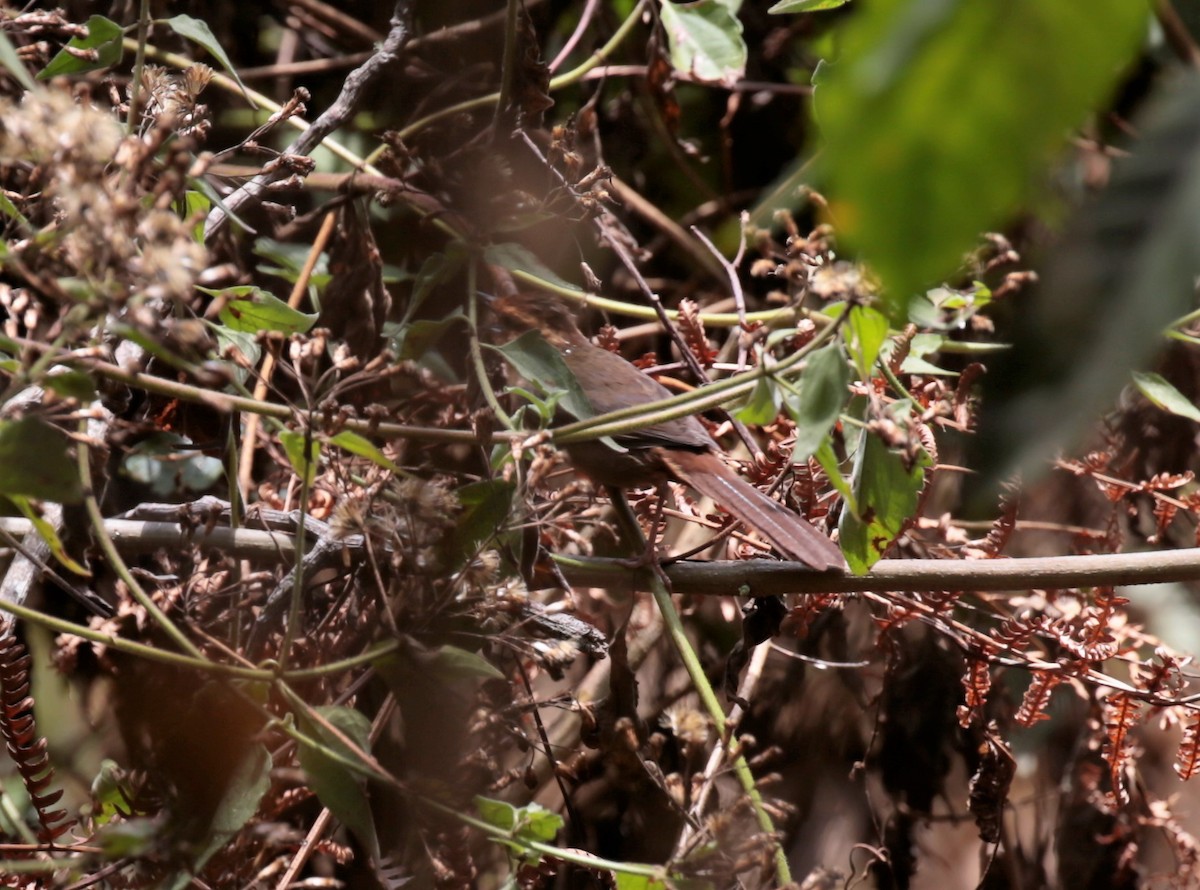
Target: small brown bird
678	449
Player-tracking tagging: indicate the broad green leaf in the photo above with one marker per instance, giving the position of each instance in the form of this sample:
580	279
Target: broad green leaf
102	44
886	491
231	342
34	462
198	32
531	822
413	339
303	453
1165	396
49	534
705	41
865	332
540	363
258	310
363	447
805	5
821	393
516	258
450	664
13	65
337	787
923	93
762	406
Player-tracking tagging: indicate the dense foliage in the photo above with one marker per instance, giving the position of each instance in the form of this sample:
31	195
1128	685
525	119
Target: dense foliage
301	589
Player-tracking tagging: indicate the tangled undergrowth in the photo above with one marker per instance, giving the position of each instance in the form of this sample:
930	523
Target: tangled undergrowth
306	589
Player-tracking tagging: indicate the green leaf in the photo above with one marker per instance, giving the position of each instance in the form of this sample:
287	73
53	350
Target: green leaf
250	781
363	447
516	258
13	65
866	329
303	453
626	881
34	462
531	822
1165	396
103	41
924	92
541	364
886	491
231	342
413	339
705	41
258	310
49	534
451	664
805	5
821	393
762	406
338	788
9	209
198	32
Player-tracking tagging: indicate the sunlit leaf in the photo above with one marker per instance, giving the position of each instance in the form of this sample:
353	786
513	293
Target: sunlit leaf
866	330
805	5
13	65
822	392
922	93
886	491
705	41
254	310
1164	395
49	534
762	406
198	32
101	48
363	447
303	453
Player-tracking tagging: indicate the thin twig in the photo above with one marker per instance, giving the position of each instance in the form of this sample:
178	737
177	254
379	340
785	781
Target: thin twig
337	114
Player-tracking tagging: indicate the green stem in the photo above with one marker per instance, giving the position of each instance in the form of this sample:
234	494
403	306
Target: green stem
599	57
712	704
113	556
139	64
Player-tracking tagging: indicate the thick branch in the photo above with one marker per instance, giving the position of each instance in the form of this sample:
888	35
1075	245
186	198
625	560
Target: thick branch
760	577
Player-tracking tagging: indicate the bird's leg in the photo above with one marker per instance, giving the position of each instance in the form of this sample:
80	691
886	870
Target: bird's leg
631	533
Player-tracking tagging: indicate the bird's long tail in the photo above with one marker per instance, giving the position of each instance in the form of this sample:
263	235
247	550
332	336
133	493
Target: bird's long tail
789	533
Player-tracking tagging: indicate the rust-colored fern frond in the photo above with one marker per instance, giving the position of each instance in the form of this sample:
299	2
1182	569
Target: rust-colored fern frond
1122	712
26	748
1187	760
1037	697
1002	527
691	325
977	683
